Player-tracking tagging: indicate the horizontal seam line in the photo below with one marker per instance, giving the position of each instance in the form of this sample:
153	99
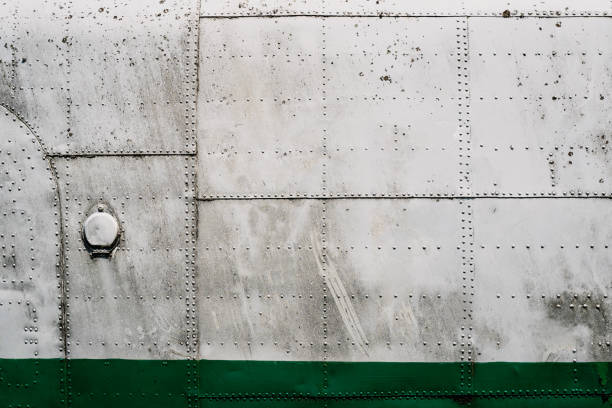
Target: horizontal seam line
87	155
398	15
583	197
422	395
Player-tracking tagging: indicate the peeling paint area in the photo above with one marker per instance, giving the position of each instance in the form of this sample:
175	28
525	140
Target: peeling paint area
30	296
133	303
542	288
541	106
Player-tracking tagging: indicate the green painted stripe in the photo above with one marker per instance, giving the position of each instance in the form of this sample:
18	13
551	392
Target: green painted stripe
147	383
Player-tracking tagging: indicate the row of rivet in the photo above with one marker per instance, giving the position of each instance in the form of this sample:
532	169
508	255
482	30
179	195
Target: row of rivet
461	12
464	183
432	196
191	211
285	152
323	233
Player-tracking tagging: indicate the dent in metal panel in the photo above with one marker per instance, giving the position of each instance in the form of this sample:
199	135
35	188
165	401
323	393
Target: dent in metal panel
131	305
540	106
542	280
260	107
259	288
30	295
391	110
393	280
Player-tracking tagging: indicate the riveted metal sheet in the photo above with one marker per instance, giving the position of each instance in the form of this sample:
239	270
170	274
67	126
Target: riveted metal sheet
133	304
259	287
393	7
259	7
259	127
132	76
392	280
540	106
6	56
35	87
397	7
391	113
546	8
106	78
284	103
543	284
30	294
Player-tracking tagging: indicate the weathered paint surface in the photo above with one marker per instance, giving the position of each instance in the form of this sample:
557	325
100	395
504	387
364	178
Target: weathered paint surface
322	184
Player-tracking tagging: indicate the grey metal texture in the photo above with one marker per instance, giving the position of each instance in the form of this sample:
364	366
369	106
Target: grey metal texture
347	106
540	106
30	244
232	8
99	77
373	157
542	289
260	291
352	181
133	304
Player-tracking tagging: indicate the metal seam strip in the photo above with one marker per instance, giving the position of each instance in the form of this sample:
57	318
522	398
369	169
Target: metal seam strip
419	15
465	208
101	380
126	154
60	262
324	254
402	197
191	211
66	323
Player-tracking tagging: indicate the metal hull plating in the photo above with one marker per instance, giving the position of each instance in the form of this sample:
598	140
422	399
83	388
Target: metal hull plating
320	203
